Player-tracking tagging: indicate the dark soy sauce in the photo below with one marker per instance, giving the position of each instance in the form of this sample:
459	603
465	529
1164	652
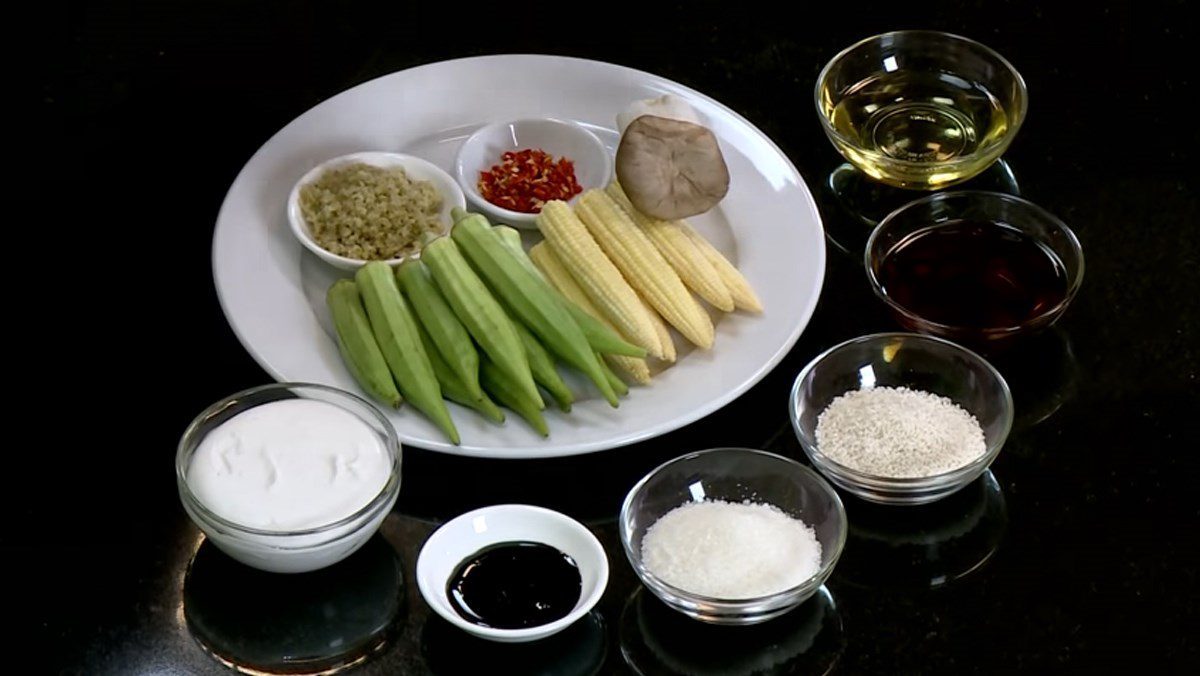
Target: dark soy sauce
514	585
976	274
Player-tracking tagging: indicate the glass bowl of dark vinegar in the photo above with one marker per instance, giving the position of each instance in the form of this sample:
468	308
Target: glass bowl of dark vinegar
980	268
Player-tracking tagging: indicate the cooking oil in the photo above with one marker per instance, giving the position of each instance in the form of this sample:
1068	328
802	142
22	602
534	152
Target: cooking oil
918	129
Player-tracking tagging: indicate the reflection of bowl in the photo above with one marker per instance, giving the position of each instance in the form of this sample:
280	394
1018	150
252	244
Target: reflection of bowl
926	546
579	650
734	475
902	360
920	109
656	640
559	138
853	204
416	169
974	206
317	622
288	551
467	534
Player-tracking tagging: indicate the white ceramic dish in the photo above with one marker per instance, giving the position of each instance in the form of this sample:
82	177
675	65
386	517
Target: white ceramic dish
468	533
415	167
559	138
273	291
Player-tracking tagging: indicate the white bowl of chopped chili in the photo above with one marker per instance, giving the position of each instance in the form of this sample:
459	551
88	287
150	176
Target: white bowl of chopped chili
377	215
508	170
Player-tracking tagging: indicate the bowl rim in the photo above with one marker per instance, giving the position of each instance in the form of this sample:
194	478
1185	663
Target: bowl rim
390	488
719	604
1018	118
866	479
585	605
299	226
472	193
992	332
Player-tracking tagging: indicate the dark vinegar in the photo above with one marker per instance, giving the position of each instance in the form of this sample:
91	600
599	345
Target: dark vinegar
976	274
514	585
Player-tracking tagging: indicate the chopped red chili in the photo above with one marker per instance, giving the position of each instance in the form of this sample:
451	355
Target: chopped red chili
526	179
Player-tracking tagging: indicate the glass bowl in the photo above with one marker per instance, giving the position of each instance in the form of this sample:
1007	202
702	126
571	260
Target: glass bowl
902	360
920	109
734	475
288	551
1025	216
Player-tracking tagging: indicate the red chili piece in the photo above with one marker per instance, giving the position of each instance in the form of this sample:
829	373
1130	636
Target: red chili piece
526	179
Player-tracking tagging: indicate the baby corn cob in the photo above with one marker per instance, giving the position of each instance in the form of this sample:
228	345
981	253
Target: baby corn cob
743	294
560	278
635	256
597	275
673	243
664	334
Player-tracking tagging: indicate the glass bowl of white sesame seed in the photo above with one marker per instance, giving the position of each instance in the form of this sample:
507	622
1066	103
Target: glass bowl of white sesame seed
900	418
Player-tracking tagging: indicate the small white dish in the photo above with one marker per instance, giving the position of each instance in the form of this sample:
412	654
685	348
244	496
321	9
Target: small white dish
560	138
468	533
416	168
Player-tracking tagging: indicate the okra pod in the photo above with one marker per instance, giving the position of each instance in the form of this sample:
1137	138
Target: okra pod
453	388
480	313
544	373
396	332
498	383
356	343
448	336
530	299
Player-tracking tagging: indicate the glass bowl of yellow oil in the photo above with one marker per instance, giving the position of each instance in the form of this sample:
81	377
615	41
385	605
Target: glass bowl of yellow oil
920	109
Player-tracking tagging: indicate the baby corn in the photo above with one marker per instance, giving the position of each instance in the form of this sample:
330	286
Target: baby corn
556	273
743	294
664	334
673	243
596	274
645	268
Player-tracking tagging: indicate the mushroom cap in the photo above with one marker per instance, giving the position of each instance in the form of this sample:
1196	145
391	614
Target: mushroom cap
671	168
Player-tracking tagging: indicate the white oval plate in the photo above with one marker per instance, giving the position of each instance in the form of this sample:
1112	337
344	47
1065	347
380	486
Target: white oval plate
273	291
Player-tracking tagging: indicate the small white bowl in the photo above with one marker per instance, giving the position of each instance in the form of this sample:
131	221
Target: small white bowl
560	138
468	533
416	168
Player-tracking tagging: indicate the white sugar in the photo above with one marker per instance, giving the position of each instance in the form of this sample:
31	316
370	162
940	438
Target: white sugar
731	550
898	432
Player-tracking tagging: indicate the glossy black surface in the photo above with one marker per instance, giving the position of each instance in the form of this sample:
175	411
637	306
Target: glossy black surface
1094	570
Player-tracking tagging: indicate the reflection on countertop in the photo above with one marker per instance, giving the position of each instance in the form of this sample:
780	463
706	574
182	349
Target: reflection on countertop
578	650
1041	371
658	641
318	622
923	546
852	204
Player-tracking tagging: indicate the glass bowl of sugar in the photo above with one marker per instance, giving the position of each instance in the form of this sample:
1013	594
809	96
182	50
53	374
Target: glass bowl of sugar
733	535
900	418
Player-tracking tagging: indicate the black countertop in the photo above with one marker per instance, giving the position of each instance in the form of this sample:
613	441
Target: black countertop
1076	553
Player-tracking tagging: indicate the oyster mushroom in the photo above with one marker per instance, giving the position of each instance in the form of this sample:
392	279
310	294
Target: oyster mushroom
671	168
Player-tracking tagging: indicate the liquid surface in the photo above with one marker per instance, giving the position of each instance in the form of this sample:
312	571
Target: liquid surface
975	274
926	118
288	465
515	585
